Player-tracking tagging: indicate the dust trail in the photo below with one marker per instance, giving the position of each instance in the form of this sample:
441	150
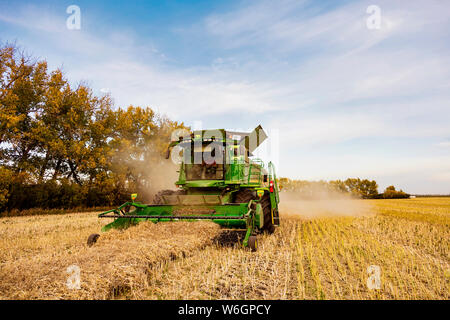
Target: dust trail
325	205
160	175
151	175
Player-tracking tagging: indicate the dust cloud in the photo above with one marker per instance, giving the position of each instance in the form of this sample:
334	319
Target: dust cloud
159	174
148	171
324	205
162	176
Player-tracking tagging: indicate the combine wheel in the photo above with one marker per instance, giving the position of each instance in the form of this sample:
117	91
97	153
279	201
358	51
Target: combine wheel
265	204
266	207
245	195
252	243
92	239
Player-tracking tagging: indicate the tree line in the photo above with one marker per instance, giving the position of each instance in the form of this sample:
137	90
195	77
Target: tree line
61	146
354	187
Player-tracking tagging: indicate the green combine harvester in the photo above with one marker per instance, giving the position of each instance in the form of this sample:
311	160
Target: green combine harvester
218	181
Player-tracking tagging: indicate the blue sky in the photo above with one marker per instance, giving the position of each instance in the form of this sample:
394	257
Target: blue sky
340	100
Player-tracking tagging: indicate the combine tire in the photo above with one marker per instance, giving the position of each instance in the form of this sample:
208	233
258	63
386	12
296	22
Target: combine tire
245	195
253	243
92	239
265	204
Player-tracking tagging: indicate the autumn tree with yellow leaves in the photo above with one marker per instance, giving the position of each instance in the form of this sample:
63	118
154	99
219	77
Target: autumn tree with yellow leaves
63	147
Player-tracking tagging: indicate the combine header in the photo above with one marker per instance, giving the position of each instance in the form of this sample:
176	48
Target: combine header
218	181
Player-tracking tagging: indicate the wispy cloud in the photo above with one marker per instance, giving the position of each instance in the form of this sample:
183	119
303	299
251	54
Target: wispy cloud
443	144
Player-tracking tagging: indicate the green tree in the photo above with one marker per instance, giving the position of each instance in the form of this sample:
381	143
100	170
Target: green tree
391	193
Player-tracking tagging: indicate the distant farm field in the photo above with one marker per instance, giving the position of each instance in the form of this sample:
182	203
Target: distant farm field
322	251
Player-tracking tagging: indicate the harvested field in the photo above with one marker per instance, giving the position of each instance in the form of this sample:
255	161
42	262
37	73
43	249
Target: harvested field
321	251
36	252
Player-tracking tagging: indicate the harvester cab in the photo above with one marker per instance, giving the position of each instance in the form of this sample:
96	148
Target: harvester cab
219	180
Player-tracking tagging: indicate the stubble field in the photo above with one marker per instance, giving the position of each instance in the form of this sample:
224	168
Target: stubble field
321	251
